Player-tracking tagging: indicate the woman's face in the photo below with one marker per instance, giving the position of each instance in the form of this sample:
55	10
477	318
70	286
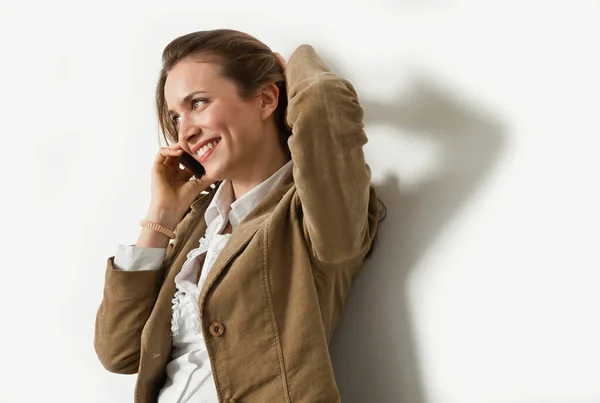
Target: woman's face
206	108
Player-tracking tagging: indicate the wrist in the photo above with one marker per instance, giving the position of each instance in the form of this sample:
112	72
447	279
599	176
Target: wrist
165	217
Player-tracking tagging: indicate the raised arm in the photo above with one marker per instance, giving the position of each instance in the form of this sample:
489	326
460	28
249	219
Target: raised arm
331	176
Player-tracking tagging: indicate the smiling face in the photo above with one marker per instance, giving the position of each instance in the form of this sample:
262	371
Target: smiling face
206	107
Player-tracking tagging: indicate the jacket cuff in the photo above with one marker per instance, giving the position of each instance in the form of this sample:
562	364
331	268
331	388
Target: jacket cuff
132	284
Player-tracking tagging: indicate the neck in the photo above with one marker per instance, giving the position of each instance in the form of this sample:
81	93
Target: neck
266	164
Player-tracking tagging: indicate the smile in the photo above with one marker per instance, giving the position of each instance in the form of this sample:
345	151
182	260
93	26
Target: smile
207	150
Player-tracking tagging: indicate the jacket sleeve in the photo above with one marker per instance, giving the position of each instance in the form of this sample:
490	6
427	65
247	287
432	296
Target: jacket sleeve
129	298
127	302
331	176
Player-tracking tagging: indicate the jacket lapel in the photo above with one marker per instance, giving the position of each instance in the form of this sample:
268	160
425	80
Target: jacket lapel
159	323
243	234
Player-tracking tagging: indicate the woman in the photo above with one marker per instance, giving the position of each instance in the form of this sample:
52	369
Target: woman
241	306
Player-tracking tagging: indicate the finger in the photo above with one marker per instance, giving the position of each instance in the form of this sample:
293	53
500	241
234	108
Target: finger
199	185
176	146
167	156
184	174
204	182
179	151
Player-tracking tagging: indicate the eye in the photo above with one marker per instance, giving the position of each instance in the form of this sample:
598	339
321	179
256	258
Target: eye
196	103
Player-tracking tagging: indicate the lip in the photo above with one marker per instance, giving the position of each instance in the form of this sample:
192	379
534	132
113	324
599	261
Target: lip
202	144
206	155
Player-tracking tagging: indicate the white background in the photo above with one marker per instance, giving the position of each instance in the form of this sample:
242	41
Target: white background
483	118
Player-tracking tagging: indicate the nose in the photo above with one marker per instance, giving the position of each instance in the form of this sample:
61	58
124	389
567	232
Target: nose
187	132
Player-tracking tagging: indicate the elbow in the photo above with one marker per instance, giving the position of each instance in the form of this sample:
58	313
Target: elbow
327	90
116	365
336	88
115	360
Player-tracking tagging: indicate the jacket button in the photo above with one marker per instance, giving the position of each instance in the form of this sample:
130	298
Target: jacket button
216	329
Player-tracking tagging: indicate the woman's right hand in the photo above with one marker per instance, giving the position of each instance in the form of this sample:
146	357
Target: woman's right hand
172	191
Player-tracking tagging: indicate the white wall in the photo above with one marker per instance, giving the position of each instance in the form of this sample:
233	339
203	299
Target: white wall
484	136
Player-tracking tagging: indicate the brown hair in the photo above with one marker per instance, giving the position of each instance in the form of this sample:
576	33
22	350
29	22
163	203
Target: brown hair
243	59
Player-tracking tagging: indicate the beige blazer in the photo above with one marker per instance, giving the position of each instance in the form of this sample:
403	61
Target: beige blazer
277	290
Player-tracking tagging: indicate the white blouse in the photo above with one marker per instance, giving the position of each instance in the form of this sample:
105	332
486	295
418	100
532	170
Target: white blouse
189	374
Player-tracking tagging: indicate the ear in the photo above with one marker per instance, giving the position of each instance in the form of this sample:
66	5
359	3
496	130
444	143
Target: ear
269	99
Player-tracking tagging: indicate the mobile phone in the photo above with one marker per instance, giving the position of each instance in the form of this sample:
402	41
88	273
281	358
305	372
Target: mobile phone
192	164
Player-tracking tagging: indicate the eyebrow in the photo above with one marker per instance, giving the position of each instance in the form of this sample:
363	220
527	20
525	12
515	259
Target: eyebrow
187	99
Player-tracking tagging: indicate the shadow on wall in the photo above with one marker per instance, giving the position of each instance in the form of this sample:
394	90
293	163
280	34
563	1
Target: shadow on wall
374	349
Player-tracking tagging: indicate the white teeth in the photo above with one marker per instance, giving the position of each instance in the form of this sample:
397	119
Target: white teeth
206	148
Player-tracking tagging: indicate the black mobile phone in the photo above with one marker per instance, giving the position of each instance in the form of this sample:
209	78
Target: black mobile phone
192	164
